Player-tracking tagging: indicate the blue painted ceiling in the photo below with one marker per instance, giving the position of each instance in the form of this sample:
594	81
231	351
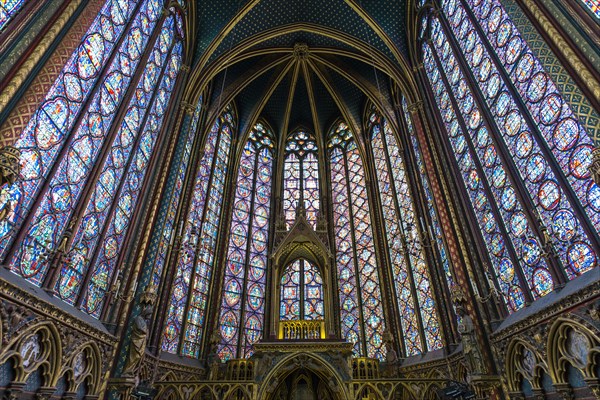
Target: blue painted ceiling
344	39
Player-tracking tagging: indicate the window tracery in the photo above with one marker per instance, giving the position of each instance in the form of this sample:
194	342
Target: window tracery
361	307
170	222
522	153
242	312
45	134
409	267
184	327
84	162
301	292
435	232
301	176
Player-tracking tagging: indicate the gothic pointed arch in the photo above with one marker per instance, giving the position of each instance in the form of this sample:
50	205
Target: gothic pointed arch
359	276
242	313
287	365
185	323
522	153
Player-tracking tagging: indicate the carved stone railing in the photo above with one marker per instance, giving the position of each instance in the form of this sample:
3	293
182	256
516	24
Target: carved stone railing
365	368
240	370
302	330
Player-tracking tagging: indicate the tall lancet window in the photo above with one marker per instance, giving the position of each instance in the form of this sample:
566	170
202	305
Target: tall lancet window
168	229
242	313
87	150
435	231
420	326
301	292
362	318
301	176
185	323
523	155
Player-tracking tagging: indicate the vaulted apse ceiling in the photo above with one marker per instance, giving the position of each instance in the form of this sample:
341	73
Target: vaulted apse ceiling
300	63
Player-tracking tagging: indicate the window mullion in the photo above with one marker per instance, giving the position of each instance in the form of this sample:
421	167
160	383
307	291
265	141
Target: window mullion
434	271
172	252
464	199
357	273
15	244
184	322
507	161
513	255
535	131
406	251
100	163
302	287
243	299
301	183
383	251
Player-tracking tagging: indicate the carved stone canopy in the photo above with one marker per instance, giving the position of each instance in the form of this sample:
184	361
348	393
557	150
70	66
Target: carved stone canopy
301	241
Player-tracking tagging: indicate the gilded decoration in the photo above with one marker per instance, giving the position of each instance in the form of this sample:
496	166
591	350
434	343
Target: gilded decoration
587	115
28	103
14	45
10	166
37	336
595	166
274	363
541	347
57	344
301	241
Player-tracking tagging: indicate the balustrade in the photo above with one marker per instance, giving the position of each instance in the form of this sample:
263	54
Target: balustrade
302	330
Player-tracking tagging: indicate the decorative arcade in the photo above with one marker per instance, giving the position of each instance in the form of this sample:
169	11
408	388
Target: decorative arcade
301	200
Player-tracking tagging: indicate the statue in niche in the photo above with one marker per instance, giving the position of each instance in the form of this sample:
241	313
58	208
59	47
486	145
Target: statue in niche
212	359
10	165
390	356
390	366
578	347
139	333
10	169
471	350
139	336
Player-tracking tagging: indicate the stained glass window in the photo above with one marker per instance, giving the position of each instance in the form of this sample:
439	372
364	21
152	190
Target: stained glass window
86	151
301	296
8	9
167	233
301	176
594	6
435	231
46	133
361	314
116	166
185	318
523	155
417	313
243	305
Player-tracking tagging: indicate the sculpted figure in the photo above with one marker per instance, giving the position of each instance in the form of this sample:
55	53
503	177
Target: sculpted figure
471	349
390	356
139	336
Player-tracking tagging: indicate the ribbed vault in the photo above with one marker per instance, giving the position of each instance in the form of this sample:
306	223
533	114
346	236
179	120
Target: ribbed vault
301	64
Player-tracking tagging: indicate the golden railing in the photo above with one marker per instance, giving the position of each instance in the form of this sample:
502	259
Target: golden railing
302	330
